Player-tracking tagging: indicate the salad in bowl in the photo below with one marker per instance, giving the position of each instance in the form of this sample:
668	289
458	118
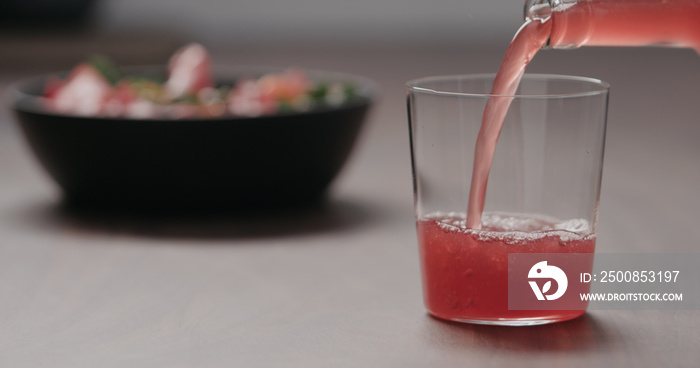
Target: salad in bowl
188	90
189	135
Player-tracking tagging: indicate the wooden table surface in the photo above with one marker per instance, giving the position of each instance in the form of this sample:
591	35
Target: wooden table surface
339	286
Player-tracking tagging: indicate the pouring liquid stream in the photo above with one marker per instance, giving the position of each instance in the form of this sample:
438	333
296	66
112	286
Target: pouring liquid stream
529	39
567	24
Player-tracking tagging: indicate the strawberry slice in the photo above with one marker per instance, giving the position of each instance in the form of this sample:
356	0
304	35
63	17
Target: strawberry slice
189	71
286	86
119	100
83	92
247	99
53	85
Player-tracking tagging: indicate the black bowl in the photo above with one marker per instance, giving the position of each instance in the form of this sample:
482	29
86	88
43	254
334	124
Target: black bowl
228	163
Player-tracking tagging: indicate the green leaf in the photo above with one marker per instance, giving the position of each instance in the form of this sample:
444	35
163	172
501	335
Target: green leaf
145	79
319	91
107	68
189	98
350	91
285	107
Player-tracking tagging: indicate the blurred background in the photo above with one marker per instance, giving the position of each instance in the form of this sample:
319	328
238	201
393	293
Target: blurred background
236	23
36	32
376	22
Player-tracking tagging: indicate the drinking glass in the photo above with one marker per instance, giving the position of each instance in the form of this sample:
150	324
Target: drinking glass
542	194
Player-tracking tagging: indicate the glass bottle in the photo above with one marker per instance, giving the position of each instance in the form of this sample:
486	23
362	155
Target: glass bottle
577	23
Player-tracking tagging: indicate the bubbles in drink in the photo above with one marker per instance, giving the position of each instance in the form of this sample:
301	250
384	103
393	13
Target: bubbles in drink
465	271
514	228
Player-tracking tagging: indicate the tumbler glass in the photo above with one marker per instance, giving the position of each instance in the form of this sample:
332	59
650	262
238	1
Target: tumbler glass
542	194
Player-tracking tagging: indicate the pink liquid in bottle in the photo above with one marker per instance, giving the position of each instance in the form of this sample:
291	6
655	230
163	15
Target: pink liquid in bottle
626	23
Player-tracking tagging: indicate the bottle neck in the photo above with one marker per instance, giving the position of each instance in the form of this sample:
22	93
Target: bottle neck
570	20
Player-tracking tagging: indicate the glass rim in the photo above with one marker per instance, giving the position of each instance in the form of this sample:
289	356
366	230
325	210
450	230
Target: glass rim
597	86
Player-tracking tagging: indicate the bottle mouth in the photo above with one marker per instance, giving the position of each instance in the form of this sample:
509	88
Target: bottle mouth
539	9
543	9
